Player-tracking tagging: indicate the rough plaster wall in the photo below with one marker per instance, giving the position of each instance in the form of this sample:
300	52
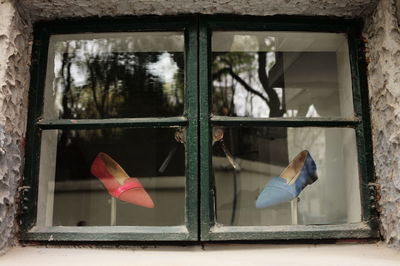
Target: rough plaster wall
82	8
382	32
14	82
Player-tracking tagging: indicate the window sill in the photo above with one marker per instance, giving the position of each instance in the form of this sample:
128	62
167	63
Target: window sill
356	230
216	254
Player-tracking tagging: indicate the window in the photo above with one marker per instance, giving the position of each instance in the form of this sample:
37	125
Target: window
170	129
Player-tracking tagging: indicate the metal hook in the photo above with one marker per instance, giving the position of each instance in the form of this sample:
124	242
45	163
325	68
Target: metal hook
230	158
168	158
180	137
218	136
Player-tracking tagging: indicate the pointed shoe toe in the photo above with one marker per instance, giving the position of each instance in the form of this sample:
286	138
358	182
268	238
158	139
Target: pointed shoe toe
273	195
136	195
301	171
117	182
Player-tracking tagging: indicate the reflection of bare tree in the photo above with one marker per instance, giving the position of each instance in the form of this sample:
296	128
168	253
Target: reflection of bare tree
179	78
66	64
246	80
99	79
103	76
232	64
67	58
96	82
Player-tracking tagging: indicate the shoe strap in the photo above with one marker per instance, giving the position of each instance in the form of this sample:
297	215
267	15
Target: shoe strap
121	189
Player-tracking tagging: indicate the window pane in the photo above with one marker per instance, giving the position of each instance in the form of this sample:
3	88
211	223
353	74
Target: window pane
114	75
281	74
259	154
81	169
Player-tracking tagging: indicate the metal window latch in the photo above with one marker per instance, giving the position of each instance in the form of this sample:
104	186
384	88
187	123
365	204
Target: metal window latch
230	158
168	158
218	136
180	137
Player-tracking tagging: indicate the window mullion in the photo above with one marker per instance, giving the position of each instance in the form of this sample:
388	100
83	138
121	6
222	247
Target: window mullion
206	203
283	122
107	123
192	147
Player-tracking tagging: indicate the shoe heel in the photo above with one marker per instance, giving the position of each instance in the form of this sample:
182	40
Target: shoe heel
312	179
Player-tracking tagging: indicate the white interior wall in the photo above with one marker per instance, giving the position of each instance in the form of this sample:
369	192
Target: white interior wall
350	165
335	196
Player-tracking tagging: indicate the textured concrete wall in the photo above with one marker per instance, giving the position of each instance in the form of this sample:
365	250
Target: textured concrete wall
14	80
82	8
382	32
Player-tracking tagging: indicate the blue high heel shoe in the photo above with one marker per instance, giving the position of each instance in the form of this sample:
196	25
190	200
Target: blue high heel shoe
300	172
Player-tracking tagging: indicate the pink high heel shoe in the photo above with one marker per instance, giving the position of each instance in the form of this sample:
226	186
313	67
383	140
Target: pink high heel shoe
117	182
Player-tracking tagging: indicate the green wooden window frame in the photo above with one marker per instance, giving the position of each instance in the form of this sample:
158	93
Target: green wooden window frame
199	214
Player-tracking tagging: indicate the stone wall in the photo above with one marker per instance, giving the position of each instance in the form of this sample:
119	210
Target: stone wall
51	9
383	35
15	49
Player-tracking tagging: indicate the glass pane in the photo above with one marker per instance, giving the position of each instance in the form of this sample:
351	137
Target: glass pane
111	177
246	159
281	74
114	75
